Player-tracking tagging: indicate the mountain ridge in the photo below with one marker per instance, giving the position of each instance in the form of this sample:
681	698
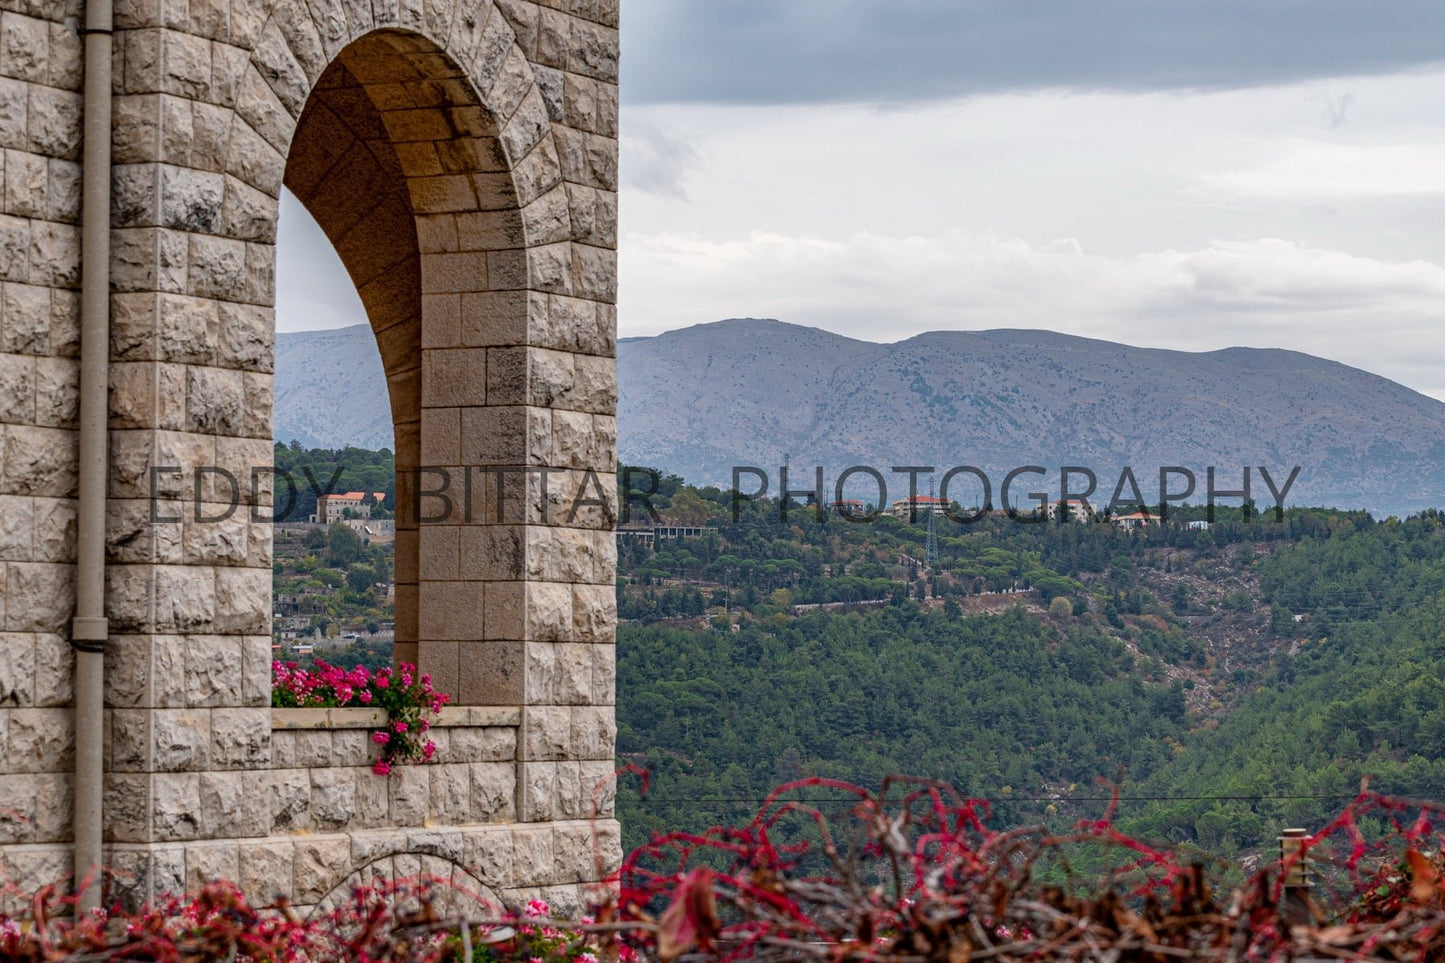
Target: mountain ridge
698	400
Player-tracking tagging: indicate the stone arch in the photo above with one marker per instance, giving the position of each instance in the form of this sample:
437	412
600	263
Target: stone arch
434	168
457	891
402	167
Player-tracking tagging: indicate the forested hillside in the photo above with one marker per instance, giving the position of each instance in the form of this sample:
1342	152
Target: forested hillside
1273	661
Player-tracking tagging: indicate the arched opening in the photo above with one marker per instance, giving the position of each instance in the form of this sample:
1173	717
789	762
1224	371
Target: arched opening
401	167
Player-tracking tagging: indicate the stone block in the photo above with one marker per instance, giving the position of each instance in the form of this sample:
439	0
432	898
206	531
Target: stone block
492	673
41	740
17	389
493	792
40	461
574	797
594	613
130	740
265	869
604	675
55	530
240	738
533	855
410	788
176	802
208	862
451	610
127	800
283	749
50	594
246	336
213	670
231	806
44	865
487	855
450	793
289	792
574	852
180	740
599	783
373	799
320	864
594	732
333	798
352	747
215	401
549	604
574	674
538	793
17	528
256	670
243	600
53	122
17	670
216	268
185	599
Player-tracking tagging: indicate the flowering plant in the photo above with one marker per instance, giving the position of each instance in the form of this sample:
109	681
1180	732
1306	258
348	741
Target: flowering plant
534	937
407	697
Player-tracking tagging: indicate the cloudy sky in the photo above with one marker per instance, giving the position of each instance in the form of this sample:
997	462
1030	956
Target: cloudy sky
1189	174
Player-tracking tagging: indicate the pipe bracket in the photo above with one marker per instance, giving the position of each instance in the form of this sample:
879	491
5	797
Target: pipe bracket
89	634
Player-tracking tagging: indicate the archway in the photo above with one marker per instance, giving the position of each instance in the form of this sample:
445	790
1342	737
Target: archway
402	169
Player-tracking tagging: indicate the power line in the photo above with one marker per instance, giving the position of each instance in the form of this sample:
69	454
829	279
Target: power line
1260	797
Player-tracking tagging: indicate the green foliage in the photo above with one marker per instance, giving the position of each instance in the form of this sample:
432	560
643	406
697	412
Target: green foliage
308	472
981	702
1363	696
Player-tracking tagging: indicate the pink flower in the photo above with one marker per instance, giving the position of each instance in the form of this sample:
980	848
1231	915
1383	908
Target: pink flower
400	727
366	697
586	958
380	737
381	681
429	750
381	767
536	909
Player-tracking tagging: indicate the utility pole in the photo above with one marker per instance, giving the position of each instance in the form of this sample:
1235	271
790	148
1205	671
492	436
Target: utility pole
1295	904
930	549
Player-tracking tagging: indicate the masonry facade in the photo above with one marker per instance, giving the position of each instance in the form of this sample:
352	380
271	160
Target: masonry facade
461	155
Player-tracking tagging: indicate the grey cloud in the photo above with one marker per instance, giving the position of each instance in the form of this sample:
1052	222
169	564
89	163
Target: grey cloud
813	51
656	161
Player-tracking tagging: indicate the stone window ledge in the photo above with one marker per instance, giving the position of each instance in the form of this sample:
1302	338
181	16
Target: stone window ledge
451	717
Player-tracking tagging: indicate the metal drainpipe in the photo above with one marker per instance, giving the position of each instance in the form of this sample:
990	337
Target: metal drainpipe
90	629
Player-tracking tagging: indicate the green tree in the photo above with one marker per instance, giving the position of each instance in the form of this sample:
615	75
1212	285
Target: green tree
343	546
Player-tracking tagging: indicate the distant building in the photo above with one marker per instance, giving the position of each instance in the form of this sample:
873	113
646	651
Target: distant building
651	535
848	507
918	506
1135	520
1199	526
373	531
1079	509
333	507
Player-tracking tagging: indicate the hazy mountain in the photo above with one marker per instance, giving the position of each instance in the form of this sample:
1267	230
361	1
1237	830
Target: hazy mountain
330	391
699	400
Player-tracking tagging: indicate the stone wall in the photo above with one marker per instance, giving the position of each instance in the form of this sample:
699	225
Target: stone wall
317	819
462	157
